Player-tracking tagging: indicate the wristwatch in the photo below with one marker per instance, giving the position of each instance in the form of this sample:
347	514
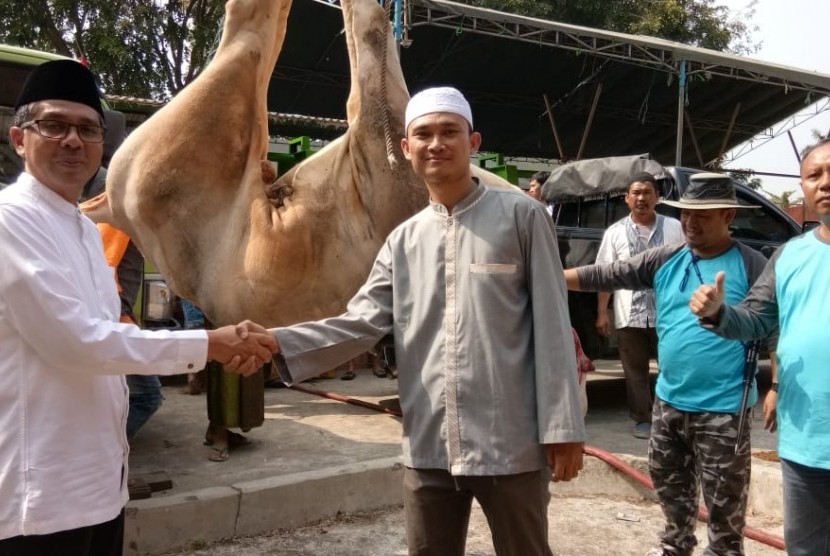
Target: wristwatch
774	387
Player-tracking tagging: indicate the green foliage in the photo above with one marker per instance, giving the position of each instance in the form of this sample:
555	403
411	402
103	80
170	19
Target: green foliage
818	135
784	200
144	48
695	22
746	177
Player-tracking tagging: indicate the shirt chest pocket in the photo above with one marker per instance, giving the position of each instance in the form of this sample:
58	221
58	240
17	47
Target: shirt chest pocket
493	268
497	285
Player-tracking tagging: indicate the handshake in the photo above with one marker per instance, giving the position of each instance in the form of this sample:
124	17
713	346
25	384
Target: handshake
243	348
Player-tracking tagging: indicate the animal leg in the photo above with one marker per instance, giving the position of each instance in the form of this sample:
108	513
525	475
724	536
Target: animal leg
378	89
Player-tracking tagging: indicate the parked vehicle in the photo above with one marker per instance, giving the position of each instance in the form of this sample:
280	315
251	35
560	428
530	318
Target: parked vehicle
589	197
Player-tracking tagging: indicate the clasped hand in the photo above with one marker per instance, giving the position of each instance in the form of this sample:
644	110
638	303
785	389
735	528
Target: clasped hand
243	348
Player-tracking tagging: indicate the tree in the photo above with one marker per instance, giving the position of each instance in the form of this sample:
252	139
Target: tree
746	177
144	48
696	22
784	200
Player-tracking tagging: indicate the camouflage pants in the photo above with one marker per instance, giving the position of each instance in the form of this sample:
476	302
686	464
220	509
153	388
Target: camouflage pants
687	450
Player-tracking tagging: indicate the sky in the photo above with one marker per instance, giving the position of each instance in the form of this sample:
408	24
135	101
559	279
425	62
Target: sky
793	33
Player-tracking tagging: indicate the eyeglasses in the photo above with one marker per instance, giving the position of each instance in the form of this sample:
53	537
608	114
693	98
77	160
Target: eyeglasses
55	129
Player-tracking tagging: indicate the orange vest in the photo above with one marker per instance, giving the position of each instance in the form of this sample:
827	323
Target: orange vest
115	245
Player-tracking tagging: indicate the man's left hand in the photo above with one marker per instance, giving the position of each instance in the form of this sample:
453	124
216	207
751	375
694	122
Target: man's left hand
771	411
564	459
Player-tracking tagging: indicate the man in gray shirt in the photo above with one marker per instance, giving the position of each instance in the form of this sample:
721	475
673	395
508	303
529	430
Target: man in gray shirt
473	292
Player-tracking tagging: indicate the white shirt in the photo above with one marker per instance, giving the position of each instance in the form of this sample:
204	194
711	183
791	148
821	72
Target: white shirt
63	405
616	247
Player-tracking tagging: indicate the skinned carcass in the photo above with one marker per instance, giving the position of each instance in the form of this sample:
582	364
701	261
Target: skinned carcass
192	188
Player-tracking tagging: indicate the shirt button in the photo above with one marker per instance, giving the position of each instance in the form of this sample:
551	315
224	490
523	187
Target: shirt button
190	365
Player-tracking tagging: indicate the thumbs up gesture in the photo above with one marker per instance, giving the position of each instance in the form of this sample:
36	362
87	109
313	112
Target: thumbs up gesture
707	300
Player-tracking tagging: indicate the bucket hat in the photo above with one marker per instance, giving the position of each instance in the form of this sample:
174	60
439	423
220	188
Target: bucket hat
708	190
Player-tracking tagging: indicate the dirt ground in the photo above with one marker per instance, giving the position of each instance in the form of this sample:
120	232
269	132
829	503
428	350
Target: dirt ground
308	432
579	526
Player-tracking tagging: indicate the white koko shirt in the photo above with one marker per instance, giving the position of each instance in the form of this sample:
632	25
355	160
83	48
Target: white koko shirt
63	403
636	309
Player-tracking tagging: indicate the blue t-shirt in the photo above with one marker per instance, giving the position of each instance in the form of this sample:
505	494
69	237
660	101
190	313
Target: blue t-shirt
699	371
802	287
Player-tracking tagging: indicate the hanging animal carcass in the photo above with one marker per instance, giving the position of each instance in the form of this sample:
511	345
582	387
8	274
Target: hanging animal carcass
193	189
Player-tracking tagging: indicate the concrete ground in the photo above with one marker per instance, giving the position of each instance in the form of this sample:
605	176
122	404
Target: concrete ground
579	526
333	465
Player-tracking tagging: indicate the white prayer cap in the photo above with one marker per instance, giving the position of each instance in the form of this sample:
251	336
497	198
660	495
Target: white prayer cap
438	99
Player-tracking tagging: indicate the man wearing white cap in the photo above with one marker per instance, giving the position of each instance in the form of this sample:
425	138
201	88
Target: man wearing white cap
472	290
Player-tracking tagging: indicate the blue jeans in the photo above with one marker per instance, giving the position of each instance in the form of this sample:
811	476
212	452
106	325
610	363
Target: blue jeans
145	399
193	316
806	509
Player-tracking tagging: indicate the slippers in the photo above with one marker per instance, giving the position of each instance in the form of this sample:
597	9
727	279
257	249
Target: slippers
348	375
219	454
236	440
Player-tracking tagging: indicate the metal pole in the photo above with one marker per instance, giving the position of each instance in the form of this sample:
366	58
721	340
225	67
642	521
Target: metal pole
553	127
398	21
798	157
681	109
589	123
728	135
694	138
795	149
750	369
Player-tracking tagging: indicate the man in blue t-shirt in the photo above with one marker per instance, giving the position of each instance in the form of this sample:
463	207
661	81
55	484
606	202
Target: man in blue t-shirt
695	419
793	293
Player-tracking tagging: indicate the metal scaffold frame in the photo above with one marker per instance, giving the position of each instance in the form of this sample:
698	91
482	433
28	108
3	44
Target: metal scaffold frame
682	62
638	50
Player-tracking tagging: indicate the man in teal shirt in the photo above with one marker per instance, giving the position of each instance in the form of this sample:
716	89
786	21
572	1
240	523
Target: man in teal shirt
696	412
793	293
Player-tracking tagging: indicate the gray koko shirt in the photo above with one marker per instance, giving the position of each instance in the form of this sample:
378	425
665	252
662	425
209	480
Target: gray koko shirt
477	304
